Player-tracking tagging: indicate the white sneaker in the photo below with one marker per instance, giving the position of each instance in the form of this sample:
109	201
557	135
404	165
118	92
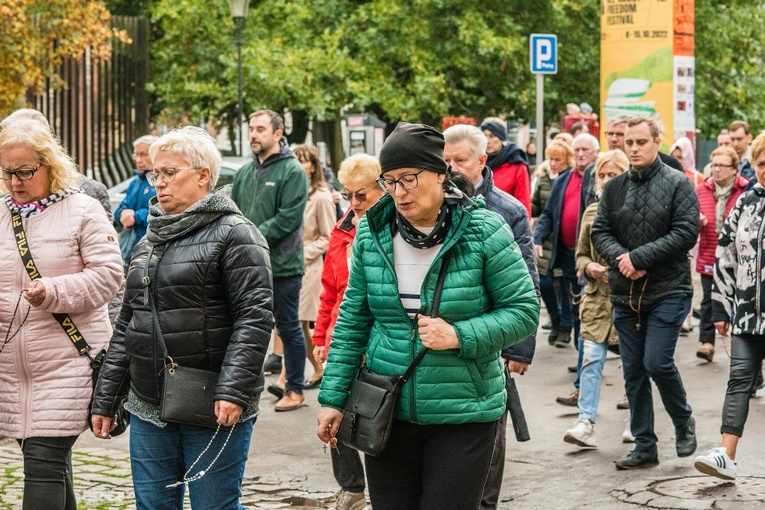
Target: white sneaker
627	436
347	500
583	434
717	463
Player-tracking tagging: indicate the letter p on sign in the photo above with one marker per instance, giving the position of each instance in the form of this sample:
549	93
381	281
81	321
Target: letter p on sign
544	53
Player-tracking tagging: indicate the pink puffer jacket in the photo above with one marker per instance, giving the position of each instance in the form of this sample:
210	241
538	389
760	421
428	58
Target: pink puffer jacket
45	386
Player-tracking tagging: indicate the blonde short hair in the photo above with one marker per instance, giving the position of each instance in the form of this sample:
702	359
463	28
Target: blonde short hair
359	168
728	151
195	145
616	156
37	136
561	150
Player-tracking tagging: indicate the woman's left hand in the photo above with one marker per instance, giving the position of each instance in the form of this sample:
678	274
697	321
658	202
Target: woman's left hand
35	294
227	412
437	334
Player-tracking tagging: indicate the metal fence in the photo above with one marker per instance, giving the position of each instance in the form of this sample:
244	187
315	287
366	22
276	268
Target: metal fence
104	105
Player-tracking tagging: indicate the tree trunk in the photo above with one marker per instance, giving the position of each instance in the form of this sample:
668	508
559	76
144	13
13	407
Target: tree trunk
300	121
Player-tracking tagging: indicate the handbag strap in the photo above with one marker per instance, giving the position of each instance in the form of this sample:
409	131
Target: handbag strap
433	313
148	293
63	319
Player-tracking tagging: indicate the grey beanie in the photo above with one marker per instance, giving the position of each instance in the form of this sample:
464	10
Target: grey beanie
413	146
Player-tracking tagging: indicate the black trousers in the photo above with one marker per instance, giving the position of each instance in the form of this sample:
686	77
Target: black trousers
746	352
48	473
493	485
706	324
432	466
347	468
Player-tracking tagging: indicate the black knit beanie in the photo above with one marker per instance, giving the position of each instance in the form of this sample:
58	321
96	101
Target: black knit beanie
413	146
496	129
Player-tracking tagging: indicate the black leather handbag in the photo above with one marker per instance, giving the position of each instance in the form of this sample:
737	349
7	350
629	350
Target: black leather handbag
121	416
371	406
188	394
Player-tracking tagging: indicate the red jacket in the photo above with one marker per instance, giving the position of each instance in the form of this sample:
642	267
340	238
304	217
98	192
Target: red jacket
513	178
705	261
334	278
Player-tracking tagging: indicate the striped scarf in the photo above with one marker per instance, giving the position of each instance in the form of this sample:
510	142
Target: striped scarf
37	206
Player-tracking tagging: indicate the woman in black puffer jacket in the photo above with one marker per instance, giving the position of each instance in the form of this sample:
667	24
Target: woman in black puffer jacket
211	284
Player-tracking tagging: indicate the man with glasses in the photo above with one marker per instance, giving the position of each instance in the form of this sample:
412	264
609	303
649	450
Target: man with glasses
272	191
465	152
133	213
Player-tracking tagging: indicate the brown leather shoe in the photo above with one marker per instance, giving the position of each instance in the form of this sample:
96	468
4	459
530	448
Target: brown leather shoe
706	351
571	401
290	401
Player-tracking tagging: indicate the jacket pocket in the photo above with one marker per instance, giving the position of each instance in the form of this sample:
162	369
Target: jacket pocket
475	375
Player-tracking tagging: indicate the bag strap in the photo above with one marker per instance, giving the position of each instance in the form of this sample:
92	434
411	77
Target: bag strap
148	293
63	319
433	313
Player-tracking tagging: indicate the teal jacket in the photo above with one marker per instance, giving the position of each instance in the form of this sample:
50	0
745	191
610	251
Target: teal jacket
488	298
273	196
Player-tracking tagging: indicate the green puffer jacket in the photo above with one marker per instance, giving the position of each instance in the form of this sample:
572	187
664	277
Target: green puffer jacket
488	297
273	196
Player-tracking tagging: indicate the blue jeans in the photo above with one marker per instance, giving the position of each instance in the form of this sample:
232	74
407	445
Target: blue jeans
558	300
590	376
161	456
648	354
286	303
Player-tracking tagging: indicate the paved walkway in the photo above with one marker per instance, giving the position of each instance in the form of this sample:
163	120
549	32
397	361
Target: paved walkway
288	467
102	482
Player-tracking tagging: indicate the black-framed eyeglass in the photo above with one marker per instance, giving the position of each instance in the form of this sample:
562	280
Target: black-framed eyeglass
166	175
21	173
349	195
716	165
408	182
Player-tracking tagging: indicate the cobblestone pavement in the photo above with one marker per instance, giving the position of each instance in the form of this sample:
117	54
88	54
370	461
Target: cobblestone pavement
102	482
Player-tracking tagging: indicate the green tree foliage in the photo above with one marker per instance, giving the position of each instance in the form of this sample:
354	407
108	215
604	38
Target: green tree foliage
37	35
413	60
730	51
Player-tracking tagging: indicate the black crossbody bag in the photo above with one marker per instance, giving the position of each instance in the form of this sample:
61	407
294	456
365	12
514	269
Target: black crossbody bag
188	394
121	416
371	405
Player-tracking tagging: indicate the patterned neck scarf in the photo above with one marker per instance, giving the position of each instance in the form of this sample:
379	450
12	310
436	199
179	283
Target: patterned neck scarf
721	195
422	241
37	206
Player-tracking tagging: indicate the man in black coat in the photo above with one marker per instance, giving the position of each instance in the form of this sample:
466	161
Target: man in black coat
647	221
465	151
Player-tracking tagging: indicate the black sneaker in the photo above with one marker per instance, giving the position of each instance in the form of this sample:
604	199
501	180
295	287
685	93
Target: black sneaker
547	325
273	364
638	460
685	438
554	332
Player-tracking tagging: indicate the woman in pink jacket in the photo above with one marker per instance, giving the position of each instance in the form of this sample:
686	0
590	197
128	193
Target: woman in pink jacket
45	385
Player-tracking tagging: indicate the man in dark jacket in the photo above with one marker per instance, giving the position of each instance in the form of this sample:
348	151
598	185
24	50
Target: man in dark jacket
465	151
647	221
272	191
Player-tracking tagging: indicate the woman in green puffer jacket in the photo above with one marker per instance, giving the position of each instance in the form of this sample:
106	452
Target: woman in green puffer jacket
443	435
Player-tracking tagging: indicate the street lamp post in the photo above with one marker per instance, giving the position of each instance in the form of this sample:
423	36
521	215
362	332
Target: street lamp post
239	15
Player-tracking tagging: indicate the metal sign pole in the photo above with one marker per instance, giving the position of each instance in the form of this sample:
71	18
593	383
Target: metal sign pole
540	117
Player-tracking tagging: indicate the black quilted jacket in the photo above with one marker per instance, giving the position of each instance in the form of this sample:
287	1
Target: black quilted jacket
214	296
654	215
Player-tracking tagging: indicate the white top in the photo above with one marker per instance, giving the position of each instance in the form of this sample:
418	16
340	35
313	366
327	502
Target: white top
412	265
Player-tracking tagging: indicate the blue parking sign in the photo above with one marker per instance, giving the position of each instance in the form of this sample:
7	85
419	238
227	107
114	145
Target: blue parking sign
544	53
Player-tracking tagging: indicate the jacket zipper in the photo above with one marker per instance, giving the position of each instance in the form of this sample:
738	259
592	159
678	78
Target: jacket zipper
412	344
